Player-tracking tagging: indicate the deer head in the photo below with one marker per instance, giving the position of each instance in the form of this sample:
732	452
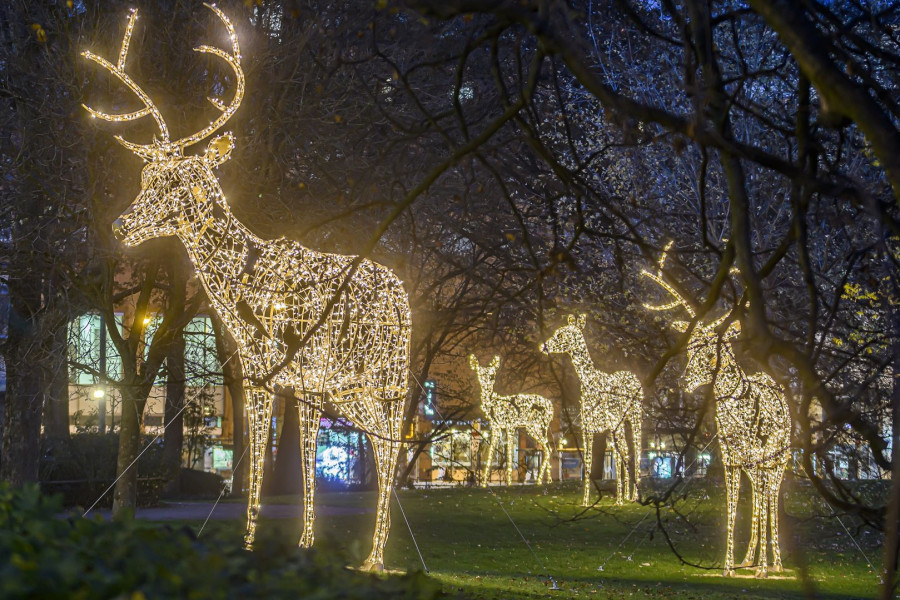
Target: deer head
172	184
566	337
486	375
706	345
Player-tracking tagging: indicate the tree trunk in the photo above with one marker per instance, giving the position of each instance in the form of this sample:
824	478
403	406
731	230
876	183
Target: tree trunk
892	518
125	493
233	377
22	424
56	407
599	456
174	413
288	465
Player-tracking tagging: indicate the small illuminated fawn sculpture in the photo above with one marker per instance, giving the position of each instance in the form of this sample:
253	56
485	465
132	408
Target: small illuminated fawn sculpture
753	422
326	327
608	402
506	414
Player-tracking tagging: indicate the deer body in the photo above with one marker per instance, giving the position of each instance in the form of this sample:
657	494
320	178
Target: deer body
326	327
508	414
753	423
608	402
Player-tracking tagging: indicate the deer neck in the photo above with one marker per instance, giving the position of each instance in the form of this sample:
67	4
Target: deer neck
581	358
217	243
487	393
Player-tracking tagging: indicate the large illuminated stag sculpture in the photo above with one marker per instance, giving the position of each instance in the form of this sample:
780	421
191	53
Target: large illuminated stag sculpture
753	421
608	402
328	328
506	414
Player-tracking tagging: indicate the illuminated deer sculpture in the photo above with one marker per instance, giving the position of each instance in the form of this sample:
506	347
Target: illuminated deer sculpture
507	414
608	402
328	328
753	422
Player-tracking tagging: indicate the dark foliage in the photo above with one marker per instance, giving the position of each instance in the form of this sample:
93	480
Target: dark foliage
44	556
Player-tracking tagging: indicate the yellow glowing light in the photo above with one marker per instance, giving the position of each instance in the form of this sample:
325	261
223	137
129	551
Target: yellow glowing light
507	414
99	393
753	422
608	402
325	327
146	321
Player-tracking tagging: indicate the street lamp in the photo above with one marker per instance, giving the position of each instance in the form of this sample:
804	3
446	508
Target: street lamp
100	395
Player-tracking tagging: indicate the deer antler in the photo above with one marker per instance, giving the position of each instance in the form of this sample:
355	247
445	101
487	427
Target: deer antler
658	278
119	71
233	59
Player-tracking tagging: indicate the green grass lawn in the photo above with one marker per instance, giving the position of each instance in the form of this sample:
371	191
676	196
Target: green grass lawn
470	545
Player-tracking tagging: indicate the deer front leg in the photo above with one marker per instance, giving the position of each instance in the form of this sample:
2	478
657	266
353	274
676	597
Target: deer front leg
544	447
621	474
510	433
588	458
386	452
636	441
756	494
732	489
492	447
310	413
259	413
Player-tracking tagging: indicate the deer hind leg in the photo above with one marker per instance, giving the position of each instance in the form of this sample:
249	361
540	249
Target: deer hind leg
588	458
259	413
387	451
544	447
310	413
762	506
492	447
732	490
774	492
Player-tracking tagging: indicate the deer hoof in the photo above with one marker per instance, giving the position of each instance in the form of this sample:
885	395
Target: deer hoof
373	566
762	573
728	573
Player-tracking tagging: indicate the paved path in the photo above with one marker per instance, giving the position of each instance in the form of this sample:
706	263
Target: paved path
197	511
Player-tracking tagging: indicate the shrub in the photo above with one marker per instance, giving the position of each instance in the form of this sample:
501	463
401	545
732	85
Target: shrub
82	466
45	556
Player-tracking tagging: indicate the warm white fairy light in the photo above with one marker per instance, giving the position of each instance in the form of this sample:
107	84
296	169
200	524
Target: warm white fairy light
324	326
608	402
754	427
507	414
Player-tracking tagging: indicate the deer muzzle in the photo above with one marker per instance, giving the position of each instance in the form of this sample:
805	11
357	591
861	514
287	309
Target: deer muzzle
118	229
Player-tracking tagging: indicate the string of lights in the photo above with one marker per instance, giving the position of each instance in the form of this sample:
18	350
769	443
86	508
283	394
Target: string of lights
507	414
327	327
753	422
608	402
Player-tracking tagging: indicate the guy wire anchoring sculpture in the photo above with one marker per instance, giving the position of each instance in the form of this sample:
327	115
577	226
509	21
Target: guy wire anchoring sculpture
326	327
753	421
608	402
507	414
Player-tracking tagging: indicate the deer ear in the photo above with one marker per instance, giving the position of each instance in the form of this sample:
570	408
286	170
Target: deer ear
219	149
473	362
571	319
680	326
581	321
733	330
495	362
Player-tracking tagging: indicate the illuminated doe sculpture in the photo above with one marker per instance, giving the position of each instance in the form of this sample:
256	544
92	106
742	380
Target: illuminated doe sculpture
753	422
324	326
608	402
507	414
